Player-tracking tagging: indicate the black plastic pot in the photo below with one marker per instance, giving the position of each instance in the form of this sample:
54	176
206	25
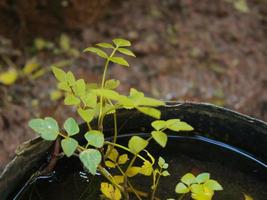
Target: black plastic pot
241	135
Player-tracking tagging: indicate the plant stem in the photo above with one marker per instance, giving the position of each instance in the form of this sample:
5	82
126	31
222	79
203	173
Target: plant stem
100	125
156	185
181	197
124	148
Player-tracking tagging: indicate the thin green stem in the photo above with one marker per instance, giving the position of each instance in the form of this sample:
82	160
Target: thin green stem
181	197
156	185
102	86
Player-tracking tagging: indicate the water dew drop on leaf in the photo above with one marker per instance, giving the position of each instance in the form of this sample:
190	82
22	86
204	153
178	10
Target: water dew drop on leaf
188	179
71	126
126	52
98	51
69	146
47	128
181	188
160	137
121	42
91	158
137	144
120	61
95	138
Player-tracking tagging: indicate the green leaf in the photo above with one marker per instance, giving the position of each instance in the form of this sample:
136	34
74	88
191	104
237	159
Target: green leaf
123	159
160	137
71	126
64	42
47	128
146	101
121	42
109	94
71	100
181	188
188	179
165	173
126	52
180	126
9	77
120	61
213	185
91	158
161	162
64	86
137	144
95	138
69	146
105	45
132	171
87	115
112	84
79	87
153	112
98	51
70	78
203	177
241	5
89	100
158	124
247	197
110	192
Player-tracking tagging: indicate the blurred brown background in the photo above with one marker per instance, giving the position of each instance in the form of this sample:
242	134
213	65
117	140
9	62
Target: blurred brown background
206	51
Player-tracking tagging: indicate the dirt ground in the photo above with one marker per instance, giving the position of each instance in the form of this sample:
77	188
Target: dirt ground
187	51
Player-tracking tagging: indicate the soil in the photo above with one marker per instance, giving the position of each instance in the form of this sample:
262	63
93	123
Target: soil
205	51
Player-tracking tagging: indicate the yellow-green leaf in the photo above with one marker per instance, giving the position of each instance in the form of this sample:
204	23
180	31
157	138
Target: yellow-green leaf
112	84
213	185
118	179
30	66
55	95
188	179
126	52
113	154
158	124
98	51
133	171
86	114
105	45
153	112
137	144
64	42
110	164
160	137
247	197
71	100
121	42
91	158
9	77
95	138
59	74
146	168
110	192
123	159
120	61
181	188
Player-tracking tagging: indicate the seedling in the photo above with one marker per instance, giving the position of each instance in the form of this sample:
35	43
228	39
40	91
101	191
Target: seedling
96	101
